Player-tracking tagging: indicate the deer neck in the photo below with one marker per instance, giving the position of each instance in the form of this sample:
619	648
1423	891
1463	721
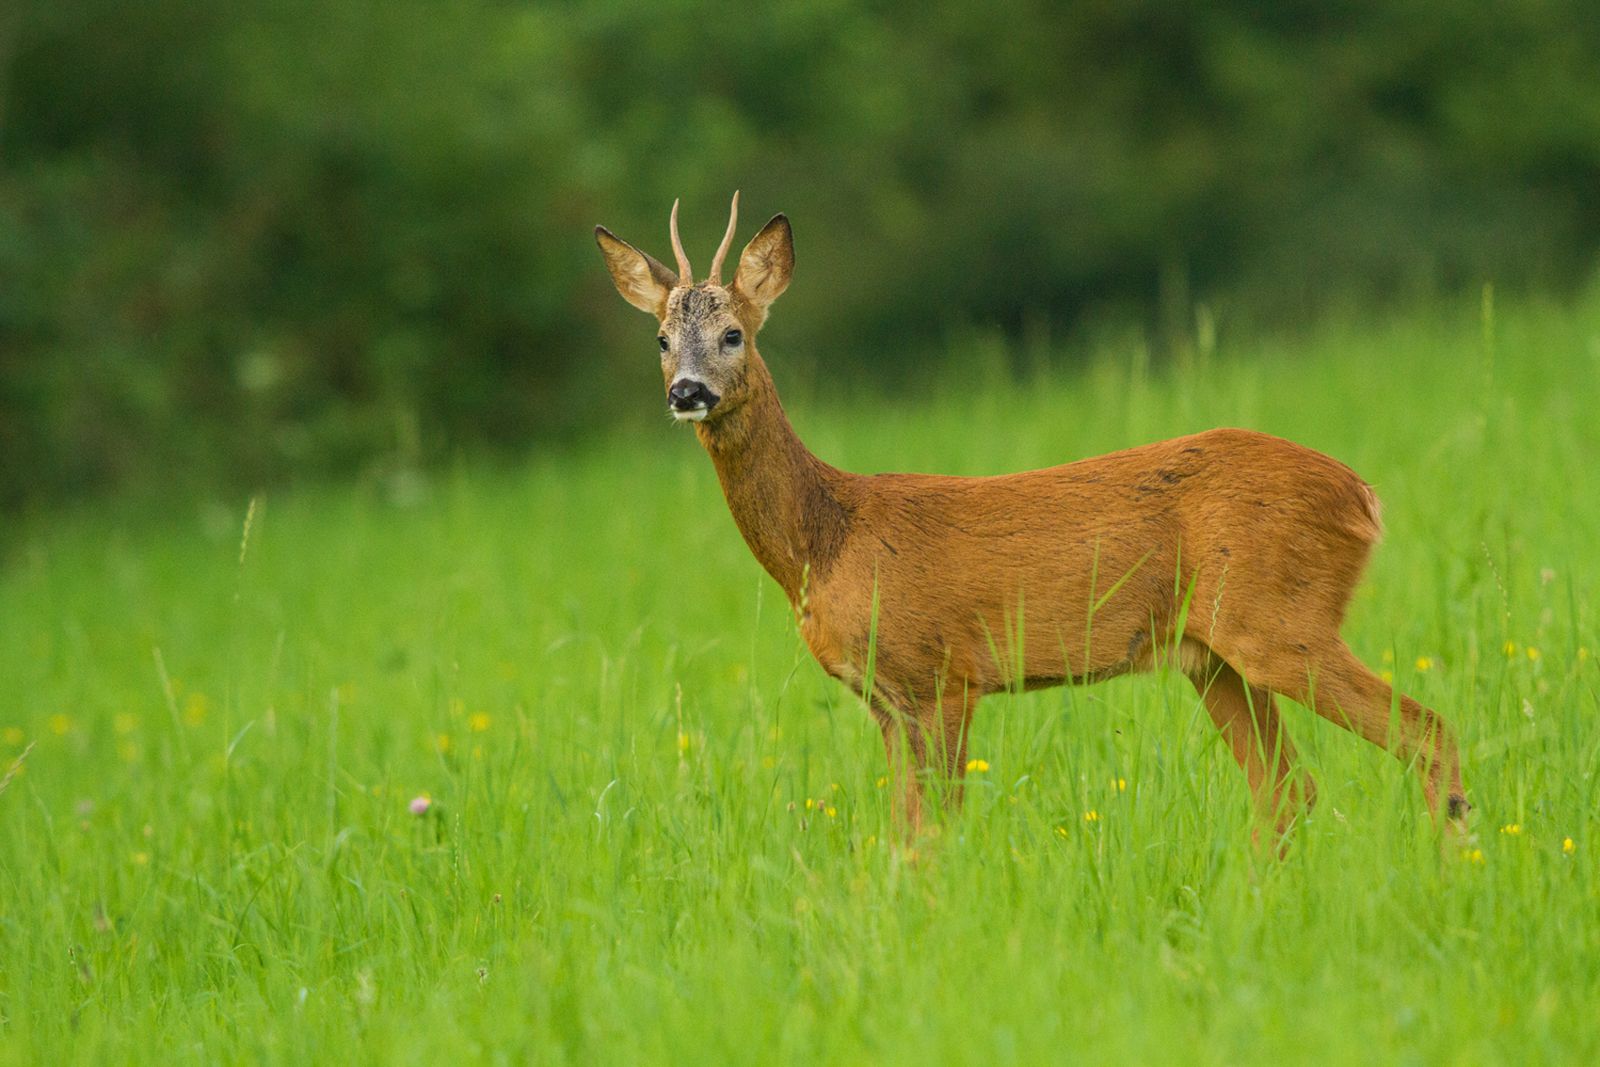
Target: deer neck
785	500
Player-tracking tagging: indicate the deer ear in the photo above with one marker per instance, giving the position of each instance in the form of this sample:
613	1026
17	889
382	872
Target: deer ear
639	277
766	263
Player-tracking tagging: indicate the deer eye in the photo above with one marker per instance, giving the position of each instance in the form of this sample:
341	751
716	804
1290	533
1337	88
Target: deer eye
663	340
732	338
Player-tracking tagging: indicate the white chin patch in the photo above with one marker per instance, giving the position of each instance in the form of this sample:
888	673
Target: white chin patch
697	415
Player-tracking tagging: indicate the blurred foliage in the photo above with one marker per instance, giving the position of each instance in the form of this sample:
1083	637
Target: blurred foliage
277	235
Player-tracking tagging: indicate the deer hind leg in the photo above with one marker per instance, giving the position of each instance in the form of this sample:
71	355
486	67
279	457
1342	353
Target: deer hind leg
1248	718
1340	688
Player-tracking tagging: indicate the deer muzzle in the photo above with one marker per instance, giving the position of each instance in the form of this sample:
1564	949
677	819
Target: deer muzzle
690	399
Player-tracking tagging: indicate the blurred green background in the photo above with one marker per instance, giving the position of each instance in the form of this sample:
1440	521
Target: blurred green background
273	238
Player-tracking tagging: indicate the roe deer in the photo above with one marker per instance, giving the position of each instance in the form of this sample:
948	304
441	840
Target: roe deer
1229	554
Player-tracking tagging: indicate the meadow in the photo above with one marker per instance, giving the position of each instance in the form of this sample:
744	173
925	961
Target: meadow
510	763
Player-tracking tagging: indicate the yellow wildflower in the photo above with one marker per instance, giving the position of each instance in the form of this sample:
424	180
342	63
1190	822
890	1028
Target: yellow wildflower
141	858
1583	654
810	804
1061	831
831	811
1509	648
1424	663
1474	855
1121	784
1091	816
883	780
441	743
60	724
195	709
1567	846
1533	653
478	722
1387	676
1511	829
979	765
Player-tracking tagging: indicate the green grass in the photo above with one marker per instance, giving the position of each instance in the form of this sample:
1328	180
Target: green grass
208	855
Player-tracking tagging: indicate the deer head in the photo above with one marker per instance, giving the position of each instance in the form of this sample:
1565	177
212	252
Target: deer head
707	330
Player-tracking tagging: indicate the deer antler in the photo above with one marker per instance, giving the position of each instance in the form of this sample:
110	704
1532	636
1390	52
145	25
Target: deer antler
727	241
685	274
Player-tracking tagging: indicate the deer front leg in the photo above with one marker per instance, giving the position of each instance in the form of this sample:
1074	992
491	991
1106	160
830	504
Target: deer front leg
905	744
918	739
955	717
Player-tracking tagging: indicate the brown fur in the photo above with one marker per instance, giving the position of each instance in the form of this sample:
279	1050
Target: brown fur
1229	555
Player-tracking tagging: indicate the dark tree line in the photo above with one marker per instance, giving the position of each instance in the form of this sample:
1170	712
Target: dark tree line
273	235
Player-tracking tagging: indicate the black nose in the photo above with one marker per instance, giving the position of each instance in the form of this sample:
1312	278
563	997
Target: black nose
687	394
